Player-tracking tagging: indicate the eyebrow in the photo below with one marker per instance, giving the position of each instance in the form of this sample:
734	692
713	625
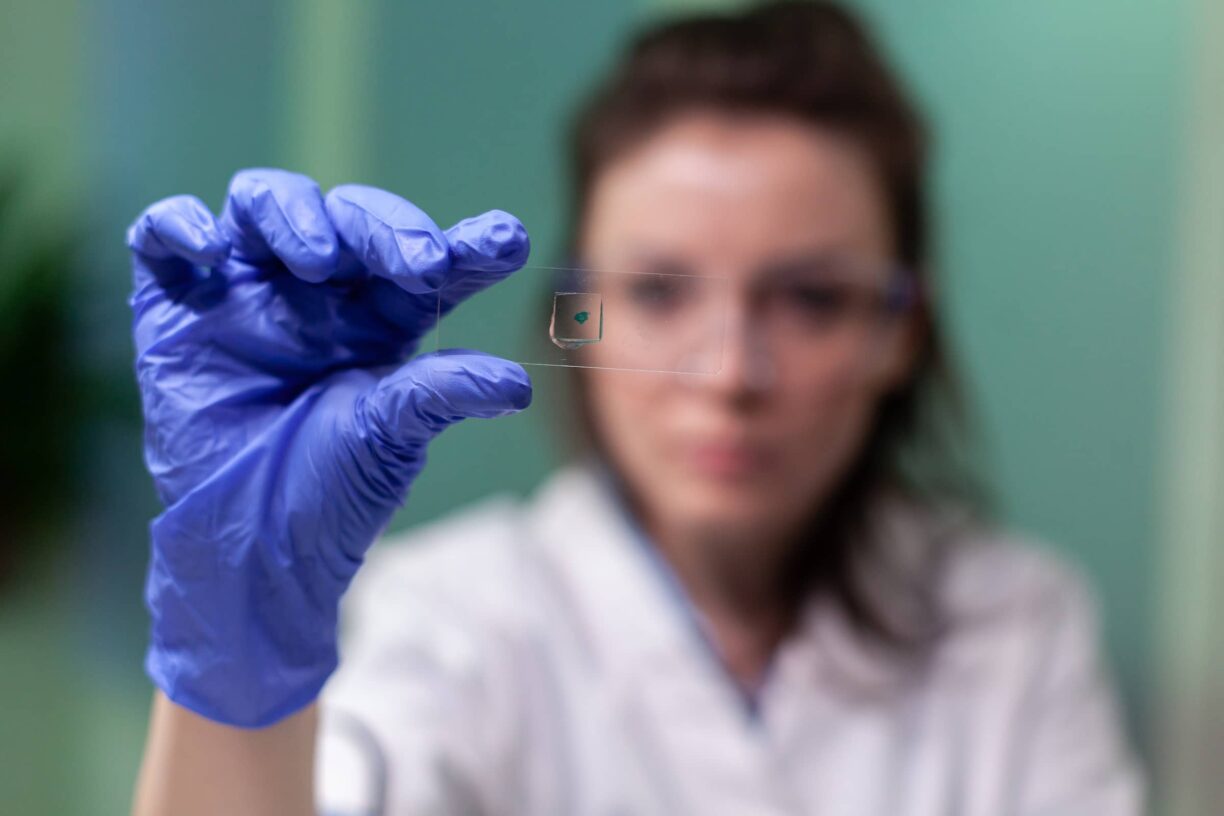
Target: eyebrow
833	261
806	262
658	263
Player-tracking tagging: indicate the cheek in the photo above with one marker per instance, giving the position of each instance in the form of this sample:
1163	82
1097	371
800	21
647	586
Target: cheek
827	420
626	411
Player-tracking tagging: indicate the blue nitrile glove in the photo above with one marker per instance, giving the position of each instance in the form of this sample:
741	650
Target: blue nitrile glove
282	424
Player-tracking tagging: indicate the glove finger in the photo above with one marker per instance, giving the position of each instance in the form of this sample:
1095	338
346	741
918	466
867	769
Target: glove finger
484	249
391	237
494	241
172	237
274	213
433	391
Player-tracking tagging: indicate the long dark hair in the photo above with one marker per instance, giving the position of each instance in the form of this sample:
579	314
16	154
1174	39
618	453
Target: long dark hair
814	62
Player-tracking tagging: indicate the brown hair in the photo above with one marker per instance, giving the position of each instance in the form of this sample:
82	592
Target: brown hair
815	62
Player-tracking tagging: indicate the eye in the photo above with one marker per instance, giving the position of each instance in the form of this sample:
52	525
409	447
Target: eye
822	302
656	293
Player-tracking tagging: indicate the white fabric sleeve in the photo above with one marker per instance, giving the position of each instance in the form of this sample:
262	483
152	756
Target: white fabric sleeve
419	718
1075	757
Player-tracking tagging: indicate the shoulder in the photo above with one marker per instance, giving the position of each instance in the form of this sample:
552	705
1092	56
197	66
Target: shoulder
458	566
998	575
474	538
979	568
992	604
1024	645
1017	609
481	565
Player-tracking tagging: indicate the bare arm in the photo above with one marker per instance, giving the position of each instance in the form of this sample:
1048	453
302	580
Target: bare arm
196	766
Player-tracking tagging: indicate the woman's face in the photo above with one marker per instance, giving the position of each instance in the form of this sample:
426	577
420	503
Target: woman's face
793	217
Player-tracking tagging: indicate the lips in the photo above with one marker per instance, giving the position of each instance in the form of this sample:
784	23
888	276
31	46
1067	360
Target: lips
726	460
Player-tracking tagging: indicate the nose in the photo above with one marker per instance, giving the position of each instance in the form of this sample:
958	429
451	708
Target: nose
749	365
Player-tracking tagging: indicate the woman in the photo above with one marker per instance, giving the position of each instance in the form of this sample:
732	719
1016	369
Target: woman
761	591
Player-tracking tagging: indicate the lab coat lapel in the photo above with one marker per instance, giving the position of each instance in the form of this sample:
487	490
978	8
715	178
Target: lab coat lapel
672	700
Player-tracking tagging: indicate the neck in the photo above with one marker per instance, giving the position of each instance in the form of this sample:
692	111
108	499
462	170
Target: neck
737	582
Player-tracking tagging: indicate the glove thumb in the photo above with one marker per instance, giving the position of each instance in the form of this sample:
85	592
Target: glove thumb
416	402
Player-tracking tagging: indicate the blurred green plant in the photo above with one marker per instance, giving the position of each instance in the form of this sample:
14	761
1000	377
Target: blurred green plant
40	384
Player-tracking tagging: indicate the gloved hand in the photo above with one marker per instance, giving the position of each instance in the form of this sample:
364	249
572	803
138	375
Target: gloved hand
282	424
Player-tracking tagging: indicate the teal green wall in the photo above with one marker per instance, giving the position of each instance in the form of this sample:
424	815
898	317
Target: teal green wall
1057	124
1059	127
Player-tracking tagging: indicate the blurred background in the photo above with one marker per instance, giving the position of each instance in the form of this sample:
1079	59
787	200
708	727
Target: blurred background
1080	193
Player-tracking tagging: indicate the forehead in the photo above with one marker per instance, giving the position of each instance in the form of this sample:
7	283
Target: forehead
734	190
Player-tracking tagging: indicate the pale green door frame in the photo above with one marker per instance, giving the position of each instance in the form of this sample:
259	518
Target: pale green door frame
327	90
1190	711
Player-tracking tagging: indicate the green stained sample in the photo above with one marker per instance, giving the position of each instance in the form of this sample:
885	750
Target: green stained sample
577	320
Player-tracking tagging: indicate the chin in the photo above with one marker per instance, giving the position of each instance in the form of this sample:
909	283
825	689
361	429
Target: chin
724	508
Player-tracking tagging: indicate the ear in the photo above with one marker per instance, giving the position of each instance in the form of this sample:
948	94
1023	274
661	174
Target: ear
900	348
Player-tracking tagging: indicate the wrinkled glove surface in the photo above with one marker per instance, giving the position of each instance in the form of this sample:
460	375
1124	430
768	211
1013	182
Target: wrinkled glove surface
285	417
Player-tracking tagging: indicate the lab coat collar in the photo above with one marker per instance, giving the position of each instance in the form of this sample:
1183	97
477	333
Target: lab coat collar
627	614
634	614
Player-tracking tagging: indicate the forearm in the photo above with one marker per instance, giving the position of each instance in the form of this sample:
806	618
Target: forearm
193	765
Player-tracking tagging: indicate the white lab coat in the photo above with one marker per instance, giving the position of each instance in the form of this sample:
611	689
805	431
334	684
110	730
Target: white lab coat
533	658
